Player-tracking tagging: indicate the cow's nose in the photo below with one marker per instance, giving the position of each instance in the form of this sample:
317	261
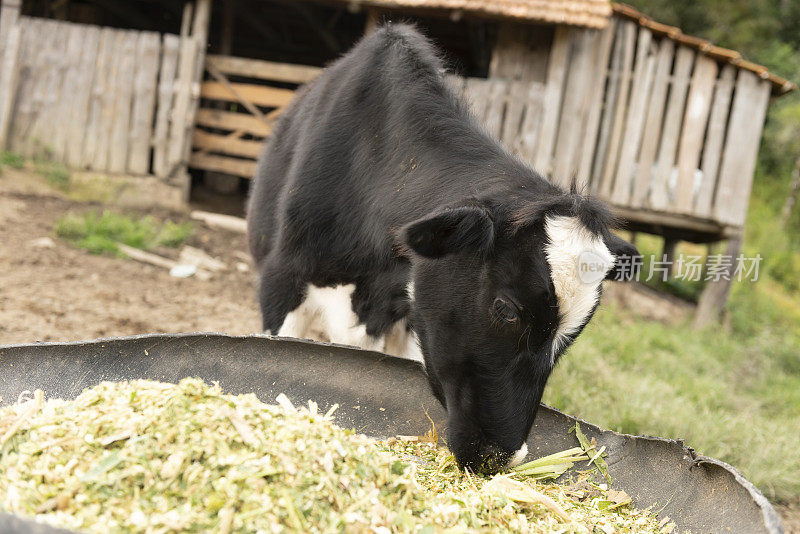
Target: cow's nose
490	459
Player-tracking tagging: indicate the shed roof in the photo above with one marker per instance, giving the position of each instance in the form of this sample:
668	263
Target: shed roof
589	13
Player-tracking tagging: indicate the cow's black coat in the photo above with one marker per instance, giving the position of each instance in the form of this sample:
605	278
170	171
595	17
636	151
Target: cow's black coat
376	175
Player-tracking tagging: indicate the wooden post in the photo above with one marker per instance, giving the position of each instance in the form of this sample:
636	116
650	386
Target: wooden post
373	21
715	295
220	182
9	15
190	74
9	71
786	211
9	63
228	22
668	254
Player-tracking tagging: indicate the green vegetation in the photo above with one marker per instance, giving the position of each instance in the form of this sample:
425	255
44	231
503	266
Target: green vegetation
730	395
100	233
12	160
56	174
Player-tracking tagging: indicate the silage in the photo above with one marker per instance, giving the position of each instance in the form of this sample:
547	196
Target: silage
145	456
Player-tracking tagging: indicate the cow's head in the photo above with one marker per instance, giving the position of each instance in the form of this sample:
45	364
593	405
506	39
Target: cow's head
500	291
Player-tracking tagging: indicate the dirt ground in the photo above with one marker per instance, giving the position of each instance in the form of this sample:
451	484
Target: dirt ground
60	293
56	292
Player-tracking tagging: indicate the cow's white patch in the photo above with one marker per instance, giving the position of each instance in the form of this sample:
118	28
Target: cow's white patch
402	342
519	456
326	314
569	240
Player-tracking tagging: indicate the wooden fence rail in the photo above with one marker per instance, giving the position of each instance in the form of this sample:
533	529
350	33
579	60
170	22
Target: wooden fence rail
238	109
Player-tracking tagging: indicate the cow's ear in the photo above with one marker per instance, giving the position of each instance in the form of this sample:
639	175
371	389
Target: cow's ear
461	229
627	260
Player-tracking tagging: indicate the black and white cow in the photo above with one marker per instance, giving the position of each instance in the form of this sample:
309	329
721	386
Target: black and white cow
382	215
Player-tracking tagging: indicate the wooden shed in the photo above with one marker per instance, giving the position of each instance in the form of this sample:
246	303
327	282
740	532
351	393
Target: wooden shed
664	126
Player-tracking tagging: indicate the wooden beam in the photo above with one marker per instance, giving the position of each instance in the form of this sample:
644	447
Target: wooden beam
228	120
556	72
373	20
240	98
749	109
228	22
652	128
572	122
596	94
715	295
166	97
265	70
80	101
259	95
226	144
237	167
671	129
180	116
712	149
698	108
641	87
9	17
9	75
668	254
628	37
126	81
609	105
218	220
670	220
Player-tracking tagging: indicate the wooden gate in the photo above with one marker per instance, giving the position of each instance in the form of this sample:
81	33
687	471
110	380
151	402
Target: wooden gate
239	105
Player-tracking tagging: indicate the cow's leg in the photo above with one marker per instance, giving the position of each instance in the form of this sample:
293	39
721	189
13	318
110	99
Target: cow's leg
280	293
337	320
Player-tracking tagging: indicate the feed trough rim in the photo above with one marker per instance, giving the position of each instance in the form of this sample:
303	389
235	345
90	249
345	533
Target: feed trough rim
377	361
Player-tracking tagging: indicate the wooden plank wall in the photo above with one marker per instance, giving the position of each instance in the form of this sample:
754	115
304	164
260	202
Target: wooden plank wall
647	123
638	119
87	96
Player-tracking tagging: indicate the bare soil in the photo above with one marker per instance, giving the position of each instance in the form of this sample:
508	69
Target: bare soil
61	293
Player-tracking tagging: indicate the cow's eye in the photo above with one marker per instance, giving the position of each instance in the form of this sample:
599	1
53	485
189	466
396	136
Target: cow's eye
505	311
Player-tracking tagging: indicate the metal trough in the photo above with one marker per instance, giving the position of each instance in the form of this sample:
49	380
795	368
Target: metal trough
698	493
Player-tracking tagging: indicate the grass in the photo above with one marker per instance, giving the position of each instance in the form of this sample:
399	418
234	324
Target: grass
731	391
11	160
56	174
100	233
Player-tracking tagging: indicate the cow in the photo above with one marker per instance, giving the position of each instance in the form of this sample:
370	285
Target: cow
383	215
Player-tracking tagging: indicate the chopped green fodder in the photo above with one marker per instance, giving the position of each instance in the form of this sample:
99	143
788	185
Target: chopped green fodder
99	233
145	456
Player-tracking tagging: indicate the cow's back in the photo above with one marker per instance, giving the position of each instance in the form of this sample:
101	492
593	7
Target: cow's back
330	174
